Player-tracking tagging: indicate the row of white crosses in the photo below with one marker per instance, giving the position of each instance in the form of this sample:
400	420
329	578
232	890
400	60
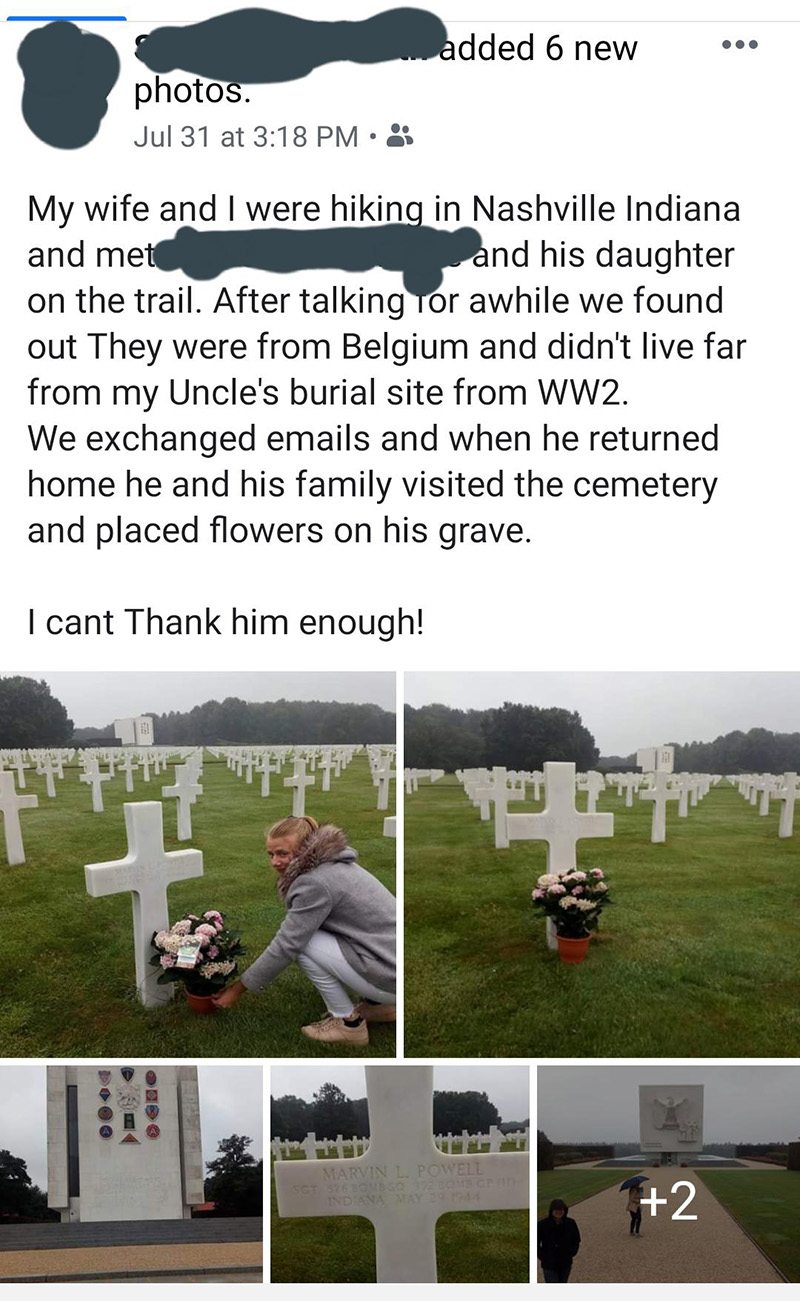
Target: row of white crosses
331	760
49	765
267	761
312	1147
413	776
769	787
316	1149
493	1140
484	789
127	761
403	1183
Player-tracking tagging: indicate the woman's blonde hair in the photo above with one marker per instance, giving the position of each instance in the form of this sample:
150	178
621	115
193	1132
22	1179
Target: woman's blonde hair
298	828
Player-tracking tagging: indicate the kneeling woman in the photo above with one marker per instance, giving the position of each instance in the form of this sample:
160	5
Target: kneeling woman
339	929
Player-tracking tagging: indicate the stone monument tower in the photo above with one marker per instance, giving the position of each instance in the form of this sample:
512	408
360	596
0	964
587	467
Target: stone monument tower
123	1142
671	1120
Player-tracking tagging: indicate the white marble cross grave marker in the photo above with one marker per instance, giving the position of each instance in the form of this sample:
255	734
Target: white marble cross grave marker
127	766
659	793
403	1183
385	775
559	823
146	870
309	1146
593	783
266	769
10	805
45	769
185	791
94	777
500	794
788	793
298	785
17	763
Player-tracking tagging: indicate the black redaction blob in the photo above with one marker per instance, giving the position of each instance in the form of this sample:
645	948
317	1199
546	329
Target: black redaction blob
262	45
68	77
419	252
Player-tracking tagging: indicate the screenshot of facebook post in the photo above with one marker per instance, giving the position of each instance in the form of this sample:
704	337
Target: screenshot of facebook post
325	329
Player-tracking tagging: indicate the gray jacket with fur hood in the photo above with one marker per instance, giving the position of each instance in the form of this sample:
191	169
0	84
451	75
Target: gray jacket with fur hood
324	888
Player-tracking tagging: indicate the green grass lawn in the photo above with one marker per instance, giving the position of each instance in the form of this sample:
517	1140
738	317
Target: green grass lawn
573	1185
767	1204
471	1247
698	957
68	961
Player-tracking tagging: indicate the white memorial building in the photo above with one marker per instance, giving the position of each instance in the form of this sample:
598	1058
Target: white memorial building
134	731
123	1142
671	1120
656	758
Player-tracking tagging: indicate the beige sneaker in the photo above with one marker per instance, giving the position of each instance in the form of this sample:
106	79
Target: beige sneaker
377	1011
334	1031
322	1021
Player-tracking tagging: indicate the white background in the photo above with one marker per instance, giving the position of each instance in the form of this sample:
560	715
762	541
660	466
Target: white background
600	583
604	585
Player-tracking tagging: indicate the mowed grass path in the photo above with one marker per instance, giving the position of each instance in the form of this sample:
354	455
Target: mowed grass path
471	1247
699	956
68	961
573	1186
767	1205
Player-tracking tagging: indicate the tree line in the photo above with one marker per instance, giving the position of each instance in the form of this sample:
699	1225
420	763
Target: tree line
270	722
630	1148
758	750
527	736
513	736
30	715
331	1112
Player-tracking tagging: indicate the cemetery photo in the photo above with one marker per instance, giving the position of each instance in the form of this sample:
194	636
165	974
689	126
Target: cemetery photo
198	864
602	864
131	1172
668	1174
399	1174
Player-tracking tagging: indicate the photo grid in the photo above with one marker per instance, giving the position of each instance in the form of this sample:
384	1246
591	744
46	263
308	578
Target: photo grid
202	940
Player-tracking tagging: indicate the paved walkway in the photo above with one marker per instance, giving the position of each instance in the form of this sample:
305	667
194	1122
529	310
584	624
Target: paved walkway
710	1249
111	1260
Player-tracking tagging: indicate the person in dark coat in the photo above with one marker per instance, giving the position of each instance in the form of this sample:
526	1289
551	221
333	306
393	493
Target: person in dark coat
635	1208
558	1240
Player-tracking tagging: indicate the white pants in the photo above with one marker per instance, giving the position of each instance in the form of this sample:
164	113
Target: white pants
327	968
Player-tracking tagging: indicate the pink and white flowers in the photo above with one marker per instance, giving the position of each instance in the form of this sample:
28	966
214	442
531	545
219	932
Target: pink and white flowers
573	900
215	959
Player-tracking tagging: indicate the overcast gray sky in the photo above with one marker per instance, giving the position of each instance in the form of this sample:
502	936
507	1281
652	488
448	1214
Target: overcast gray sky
507	1086
95	699
626	711
742	1104
231	1102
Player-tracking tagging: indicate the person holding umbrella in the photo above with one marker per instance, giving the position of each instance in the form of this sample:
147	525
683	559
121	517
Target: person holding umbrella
558	1240
634	1207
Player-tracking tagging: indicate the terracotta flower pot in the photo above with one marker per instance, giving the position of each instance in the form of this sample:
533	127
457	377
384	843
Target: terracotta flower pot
573	950
201	1004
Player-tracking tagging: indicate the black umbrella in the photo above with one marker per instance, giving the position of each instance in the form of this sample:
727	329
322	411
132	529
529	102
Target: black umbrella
633	1182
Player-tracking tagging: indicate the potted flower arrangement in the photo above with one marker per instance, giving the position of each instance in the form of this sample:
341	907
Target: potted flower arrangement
201	952
572	903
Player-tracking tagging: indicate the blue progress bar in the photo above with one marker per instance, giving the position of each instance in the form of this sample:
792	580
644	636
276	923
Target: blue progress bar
66	18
